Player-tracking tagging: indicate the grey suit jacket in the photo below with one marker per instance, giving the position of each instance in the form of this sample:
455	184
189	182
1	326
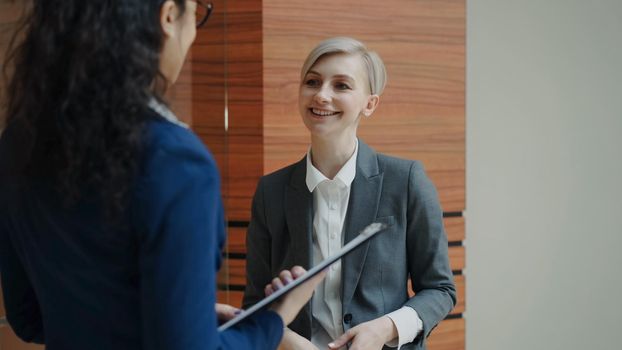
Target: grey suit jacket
374	277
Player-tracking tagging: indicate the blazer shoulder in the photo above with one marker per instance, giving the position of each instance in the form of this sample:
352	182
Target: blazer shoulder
169	145
161	134
172	157
390	164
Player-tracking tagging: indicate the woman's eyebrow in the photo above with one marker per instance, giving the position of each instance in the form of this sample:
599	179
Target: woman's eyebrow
336	76
344	76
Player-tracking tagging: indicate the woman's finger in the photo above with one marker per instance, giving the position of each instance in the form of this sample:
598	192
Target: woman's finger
226	312
298	271
276	283
286	277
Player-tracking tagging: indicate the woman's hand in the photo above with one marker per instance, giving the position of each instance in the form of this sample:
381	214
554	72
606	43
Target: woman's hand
290	304
371	335
226	312
293	341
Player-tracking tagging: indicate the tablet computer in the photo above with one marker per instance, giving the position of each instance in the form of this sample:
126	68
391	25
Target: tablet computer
367	233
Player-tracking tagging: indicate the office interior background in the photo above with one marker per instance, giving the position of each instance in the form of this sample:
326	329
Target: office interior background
515	108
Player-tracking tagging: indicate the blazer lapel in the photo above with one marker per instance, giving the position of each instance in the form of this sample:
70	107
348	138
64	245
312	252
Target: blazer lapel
299	218
362	210
299	213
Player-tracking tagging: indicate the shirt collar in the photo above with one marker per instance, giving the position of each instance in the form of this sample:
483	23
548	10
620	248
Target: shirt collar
346	174
165	112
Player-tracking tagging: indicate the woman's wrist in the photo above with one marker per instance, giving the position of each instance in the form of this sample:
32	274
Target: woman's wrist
389	329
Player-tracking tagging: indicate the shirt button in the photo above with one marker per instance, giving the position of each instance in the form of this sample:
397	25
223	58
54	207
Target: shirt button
333	267
332	236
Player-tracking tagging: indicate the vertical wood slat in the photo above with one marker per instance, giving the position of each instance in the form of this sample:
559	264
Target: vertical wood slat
245	100
206	67
180	94
10	12
449	335
454	227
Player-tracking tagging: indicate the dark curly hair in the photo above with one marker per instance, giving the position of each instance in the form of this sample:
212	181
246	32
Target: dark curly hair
77	92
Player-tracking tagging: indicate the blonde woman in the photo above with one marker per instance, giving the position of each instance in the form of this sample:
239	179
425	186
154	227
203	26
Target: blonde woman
306	211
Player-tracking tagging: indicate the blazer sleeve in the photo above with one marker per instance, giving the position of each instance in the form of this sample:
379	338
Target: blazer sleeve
258	243
21	304
180	225
428	261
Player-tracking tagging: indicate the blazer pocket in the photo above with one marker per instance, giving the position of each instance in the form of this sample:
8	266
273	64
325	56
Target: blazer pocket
387	220
391	232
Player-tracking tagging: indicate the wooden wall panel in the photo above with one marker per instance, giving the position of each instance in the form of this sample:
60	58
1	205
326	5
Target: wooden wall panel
206	69
180	94
460	307
10	12
422	44
449	335
454	227
9	341
456	258
236	240
245	100
231	297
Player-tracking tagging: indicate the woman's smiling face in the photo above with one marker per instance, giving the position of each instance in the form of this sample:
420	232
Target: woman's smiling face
334	94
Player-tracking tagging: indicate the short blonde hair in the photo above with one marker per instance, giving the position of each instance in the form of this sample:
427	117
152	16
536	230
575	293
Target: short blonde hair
376	71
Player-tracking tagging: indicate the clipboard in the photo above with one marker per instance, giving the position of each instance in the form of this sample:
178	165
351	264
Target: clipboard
367	233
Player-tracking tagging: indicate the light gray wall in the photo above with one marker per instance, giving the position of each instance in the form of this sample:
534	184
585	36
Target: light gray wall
544	174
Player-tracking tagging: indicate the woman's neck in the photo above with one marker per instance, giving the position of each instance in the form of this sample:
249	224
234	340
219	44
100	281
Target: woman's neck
329	155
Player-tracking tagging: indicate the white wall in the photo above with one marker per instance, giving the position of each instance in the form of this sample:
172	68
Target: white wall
544	174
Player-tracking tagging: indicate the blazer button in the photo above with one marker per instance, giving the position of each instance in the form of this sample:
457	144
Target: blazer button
347	318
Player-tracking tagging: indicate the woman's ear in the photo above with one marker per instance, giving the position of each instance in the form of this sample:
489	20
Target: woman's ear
372	103
168	15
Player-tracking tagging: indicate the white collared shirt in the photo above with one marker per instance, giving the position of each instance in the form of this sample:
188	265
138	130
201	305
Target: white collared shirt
330	205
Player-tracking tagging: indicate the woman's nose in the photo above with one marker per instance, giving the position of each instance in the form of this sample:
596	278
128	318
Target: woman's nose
322	95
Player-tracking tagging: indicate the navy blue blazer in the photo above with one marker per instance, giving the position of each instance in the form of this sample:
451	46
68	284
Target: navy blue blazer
72	283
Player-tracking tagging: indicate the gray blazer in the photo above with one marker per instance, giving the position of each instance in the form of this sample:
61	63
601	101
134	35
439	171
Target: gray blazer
374	277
